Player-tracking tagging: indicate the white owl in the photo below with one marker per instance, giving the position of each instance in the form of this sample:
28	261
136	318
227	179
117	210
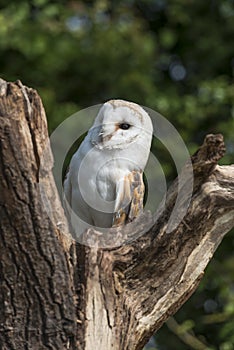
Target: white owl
104	185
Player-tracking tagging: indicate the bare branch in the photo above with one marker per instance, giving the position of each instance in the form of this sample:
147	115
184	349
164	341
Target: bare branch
149	279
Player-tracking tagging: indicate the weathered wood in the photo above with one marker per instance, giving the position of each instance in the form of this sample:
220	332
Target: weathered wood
57	294
139	285
36	299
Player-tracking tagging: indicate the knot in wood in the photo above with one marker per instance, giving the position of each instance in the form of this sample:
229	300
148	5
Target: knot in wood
211	151
215	147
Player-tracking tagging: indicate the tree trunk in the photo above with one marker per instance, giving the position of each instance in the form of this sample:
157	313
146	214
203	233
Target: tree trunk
57	294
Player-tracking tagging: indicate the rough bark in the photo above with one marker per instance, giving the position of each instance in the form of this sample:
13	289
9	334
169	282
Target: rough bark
57	294
36	296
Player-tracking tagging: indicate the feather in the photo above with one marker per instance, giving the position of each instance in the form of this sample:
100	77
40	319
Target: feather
67	194
129	198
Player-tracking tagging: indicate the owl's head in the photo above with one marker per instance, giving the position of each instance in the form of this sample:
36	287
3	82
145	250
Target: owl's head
120	124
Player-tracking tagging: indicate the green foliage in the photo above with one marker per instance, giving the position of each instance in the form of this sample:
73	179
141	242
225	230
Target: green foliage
174	56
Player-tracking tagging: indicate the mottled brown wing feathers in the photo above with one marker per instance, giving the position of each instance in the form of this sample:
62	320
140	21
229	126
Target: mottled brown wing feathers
138	190
129	198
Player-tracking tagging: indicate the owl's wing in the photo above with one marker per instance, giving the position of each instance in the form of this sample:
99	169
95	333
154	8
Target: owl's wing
67	194
129	198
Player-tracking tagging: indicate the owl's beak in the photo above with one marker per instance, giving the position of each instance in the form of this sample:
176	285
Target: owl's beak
105	133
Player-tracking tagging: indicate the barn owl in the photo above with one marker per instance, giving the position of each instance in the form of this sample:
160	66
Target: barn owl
104	185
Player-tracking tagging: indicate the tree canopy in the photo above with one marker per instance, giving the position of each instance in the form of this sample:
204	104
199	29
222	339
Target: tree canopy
174	56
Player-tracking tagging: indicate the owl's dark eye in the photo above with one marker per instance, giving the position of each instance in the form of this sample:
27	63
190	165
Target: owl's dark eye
124	126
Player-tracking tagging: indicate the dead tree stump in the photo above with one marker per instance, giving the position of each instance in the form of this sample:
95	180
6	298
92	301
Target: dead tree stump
57	294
